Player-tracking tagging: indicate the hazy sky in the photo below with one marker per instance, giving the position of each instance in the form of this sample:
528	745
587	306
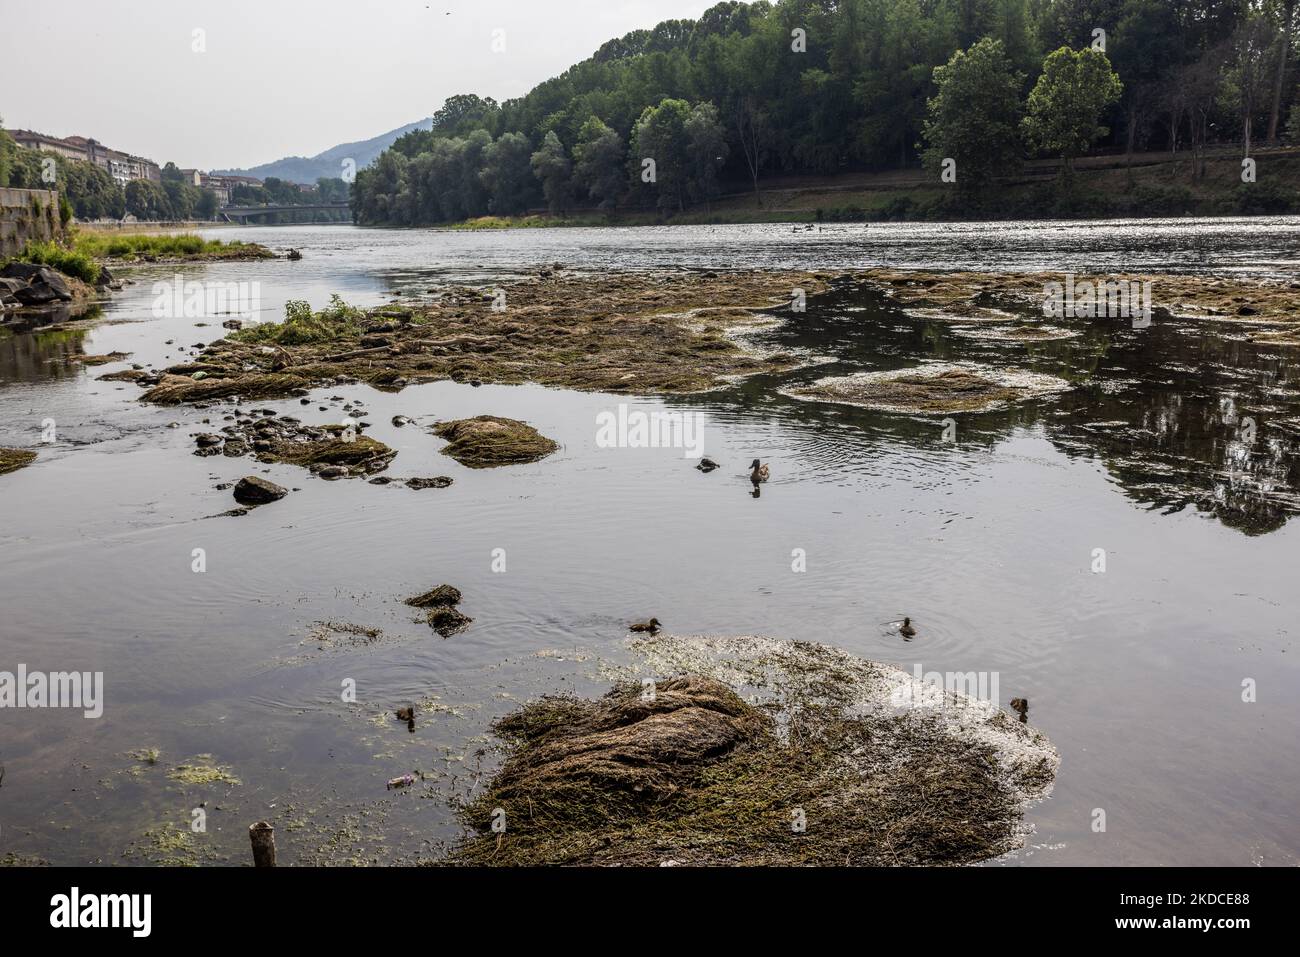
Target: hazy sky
282	77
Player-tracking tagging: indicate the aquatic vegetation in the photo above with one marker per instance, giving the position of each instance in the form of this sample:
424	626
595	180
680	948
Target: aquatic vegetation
202	769
11	460
667	332
828	770
302	326
487	441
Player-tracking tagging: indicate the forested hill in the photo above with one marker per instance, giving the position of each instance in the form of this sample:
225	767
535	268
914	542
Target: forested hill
660	117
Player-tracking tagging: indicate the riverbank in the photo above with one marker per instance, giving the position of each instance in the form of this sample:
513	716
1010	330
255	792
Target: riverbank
1103	187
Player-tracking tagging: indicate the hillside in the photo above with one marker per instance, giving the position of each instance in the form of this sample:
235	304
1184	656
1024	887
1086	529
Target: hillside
307	169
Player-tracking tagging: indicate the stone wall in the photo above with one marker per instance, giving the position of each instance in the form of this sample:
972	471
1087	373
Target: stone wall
25	215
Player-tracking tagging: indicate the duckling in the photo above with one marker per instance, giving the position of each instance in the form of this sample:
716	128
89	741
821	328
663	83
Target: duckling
406	714
707	465
1021	707
759	473
906	629
652	626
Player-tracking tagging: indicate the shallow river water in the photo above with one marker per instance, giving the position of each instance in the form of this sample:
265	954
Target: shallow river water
987	542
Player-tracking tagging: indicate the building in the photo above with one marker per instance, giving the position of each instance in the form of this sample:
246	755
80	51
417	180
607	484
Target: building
39	141
123	167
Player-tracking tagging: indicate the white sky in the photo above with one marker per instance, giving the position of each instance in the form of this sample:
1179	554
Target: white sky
281	77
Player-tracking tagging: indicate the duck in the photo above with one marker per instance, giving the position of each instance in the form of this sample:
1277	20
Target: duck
906	629
1020	706
707	465
406	714
651	626
760	472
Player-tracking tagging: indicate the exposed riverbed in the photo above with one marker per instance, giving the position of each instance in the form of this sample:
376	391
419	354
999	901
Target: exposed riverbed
987	542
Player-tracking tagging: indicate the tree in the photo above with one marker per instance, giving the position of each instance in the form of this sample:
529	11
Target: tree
706	146
974	116
660	136
147	200
464	113
1066	103
552	167
507	174
206	207
598	163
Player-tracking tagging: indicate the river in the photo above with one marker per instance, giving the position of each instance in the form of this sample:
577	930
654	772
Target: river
988	543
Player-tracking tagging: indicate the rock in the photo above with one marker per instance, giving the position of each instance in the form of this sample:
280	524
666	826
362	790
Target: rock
294	255
20	271
106	278
10	285
487	441
333	472
207	438
438	481
235	448
233	324
252	490
444	596
448	621
400	420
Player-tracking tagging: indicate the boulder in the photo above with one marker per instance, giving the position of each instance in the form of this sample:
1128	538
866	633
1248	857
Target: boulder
252	490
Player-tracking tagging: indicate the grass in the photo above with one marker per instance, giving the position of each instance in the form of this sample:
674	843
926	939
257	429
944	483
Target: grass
70	262
302	327
169	246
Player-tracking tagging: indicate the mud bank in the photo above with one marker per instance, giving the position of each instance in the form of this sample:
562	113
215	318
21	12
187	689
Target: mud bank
640	333
756	751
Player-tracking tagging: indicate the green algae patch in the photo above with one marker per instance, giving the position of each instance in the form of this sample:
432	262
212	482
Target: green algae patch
932	390
758	752
200	770
170	845
487	441
11	460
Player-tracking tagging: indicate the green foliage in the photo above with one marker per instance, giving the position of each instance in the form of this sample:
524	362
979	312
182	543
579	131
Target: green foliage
1067	102
70	262
301	326
598	164
552	167
975	115
860	93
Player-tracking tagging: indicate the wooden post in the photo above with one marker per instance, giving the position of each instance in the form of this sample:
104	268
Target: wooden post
262	835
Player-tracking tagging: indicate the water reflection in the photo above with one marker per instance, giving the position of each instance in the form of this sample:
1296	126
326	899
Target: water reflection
1180	415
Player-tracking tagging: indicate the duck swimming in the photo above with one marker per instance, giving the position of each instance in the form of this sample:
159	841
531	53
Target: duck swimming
652	626
707	465
759	473
906	629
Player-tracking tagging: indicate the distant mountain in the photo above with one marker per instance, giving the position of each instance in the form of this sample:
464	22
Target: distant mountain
303	169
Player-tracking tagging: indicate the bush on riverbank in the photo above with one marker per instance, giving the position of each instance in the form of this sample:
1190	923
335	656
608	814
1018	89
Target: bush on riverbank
70	262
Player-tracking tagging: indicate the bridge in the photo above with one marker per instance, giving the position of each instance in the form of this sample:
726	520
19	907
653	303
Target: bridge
243	214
